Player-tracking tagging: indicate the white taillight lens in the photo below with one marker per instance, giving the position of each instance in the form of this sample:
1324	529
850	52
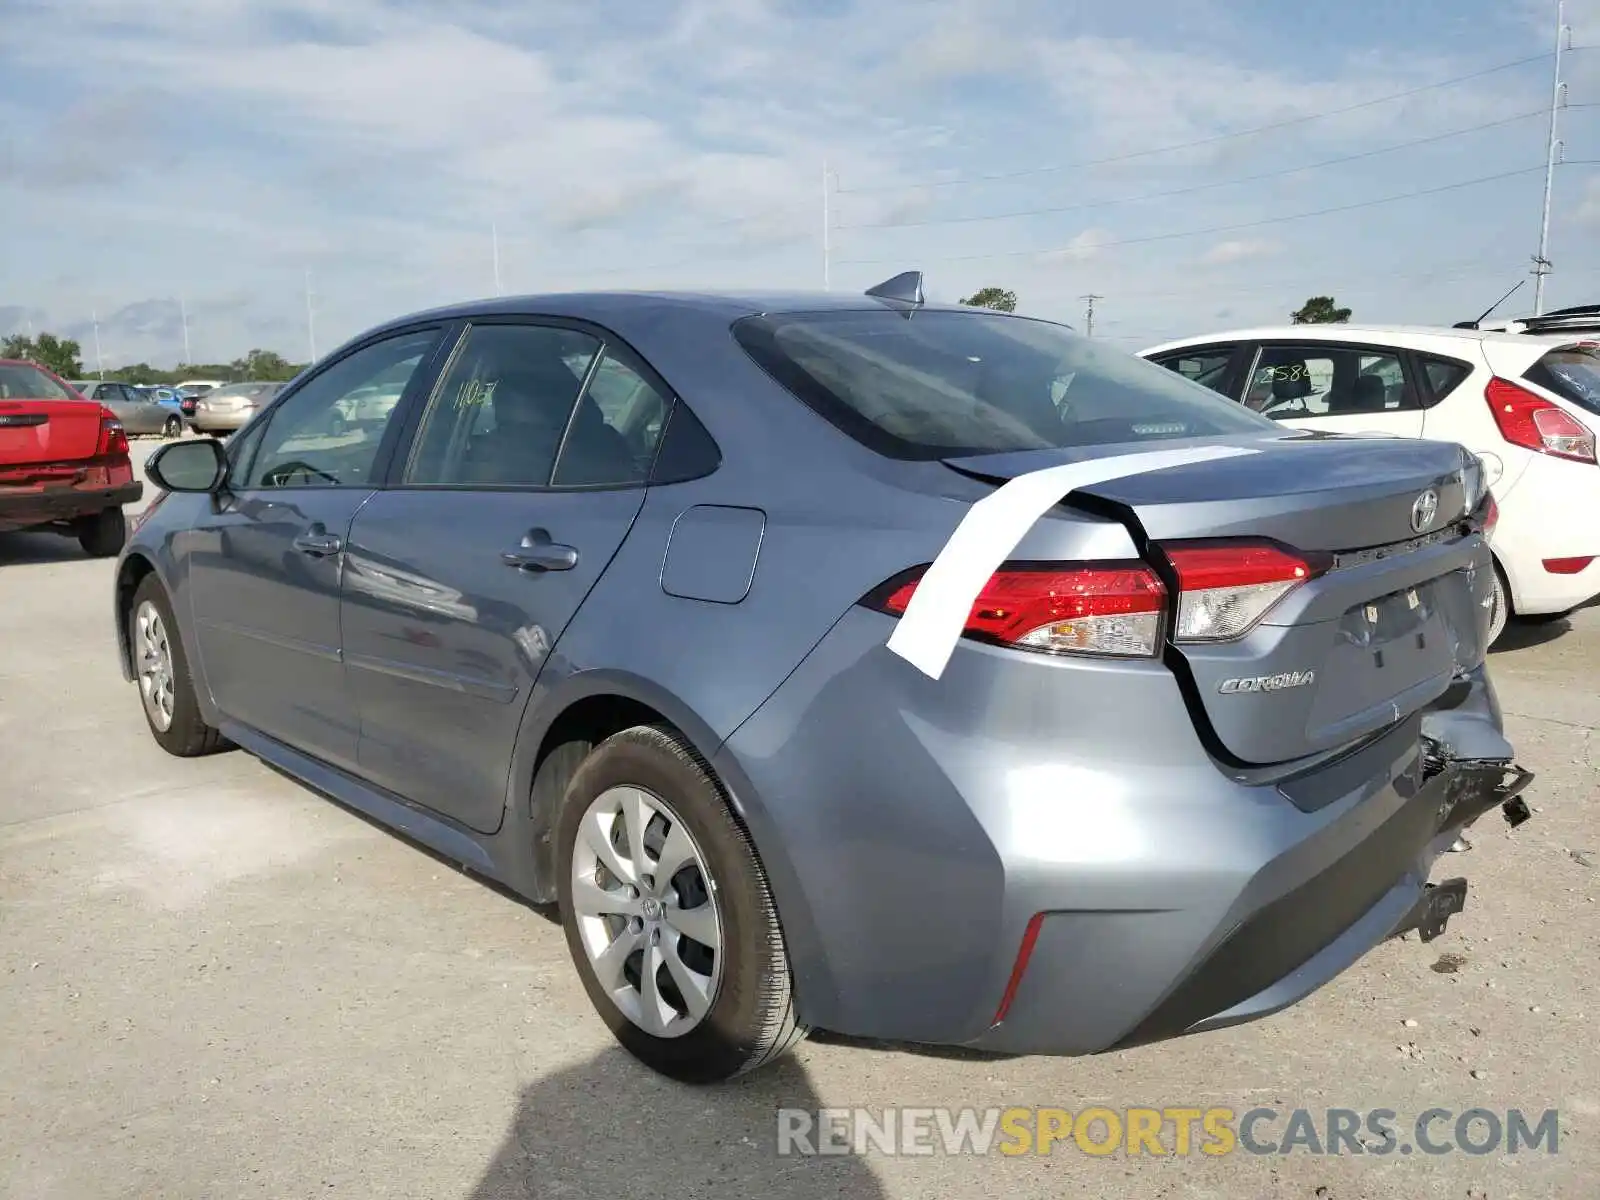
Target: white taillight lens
1227	588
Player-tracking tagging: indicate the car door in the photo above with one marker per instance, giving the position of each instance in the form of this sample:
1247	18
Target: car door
1336	387
267	558
461	576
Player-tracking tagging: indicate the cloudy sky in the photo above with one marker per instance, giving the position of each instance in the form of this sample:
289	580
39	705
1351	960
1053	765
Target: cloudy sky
1178	157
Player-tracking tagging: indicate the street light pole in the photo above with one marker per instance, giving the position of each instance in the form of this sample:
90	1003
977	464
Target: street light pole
1558	89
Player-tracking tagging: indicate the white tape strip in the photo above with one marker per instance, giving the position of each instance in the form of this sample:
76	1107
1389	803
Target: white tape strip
927	633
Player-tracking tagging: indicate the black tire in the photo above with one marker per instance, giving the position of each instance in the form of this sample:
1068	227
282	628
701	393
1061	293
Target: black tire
751	1020
188	736
173	428
104	534
1500	609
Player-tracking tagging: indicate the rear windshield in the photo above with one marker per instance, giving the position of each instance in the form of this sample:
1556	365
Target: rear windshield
938	384
18	381
1573	372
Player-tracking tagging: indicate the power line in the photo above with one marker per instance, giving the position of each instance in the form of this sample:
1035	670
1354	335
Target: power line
1202	187
1211	140
1240	225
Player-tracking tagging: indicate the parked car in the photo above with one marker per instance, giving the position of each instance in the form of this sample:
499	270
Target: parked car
198	387
229	407
1526	407
1565	323
908	678
64	462
139	412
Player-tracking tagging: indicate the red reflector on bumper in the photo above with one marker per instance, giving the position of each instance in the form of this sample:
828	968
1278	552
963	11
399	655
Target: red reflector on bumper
1567	566
1024	953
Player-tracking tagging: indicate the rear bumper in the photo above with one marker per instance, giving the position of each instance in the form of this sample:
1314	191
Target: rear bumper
221	422
914	830
27	508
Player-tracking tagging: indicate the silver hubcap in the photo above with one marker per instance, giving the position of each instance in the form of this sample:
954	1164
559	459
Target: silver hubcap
1497	610
154	655
646	911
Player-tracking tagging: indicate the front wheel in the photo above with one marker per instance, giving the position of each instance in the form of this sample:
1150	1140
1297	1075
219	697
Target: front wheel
668	915
166	689
104	534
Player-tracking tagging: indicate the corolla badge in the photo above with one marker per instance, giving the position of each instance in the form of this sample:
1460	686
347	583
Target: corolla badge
1423	510
1267	683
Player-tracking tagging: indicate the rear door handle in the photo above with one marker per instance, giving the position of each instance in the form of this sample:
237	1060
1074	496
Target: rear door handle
318	542
538	553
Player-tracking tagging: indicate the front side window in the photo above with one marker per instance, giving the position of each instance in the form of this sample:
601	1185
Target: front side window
941	384
1296	382
1208	367
499	416
314	440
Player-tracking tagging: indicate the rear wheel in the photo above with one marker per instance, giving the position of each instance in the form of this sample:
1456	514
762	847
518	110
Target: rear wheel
1499	607
668	915
104	534
166	689
173	428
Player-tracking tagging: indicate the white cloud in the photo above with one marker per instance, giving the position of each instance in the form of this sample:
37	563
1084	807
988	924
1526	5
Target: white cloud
1588	212
1241	250
1081	248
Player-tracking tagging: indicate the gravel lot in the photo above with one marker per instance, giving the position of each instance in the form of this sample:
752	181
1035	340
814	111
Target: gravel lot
216	983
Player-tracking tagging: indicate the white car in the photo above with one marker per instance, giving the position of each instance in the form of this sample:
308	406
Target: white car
1527	406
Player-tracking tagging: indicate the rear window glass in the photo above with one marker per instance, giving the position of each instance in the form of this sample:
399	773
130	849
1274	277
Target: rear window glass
18	381
937	384
1573	373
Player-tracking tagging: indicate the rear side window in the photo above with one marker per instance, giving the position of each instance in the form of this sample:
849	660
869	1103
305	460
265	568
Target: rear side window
937	384
1444	375
1573	373
19	381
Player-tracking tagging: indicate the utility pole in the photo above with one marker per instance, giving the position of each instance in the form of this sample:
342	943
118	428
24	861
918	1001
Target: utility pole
99	359
494	234
311	320
183	314
827	233
1558	93
1088	315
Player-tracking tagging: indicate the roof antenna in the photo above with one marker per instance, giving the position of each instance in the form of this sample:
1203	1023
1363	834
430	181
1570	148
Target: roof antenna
905	288
1485	314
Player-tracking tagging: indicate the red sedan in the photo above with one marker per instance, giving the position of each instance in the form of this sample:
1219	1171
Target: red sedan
63	461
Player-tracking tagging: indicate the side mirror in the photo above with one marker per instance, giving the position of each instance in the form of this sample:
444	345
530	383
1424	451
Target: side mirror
189	466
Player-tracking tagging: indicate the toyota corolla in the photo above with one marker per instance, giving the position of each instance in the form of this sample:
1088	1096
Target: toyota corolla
917	673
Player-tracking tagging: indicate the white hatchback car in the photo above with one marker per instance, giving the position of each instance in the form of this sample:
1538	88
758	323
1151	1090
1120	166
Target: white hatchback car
1527	406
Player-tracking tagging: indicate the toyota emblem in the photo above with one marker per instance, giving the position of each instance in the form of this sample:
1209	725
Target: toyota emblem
1424	510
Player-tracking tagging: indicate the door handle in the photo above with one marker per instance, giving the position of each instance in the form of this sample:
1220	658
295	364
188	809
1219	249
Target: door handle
538	553
318	542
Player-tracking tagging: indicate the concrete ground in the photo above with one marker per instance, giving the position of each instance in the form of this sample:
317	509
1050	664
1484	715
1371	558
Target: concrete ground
215	983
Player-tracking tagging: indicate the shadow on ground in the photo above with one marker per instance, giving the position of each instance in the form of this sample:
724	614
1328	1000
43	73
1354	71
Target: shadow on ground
610	1127
21	549
1526	634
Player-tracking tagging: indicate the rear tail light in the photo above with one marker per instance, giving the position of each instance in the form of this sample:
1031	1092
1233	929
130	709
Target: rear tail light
1534	423
1062	608
1567	566
113	437
1120	608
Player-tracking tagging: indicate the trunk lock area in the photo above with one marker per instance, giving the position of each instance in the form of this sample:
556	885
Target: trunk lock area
1473	787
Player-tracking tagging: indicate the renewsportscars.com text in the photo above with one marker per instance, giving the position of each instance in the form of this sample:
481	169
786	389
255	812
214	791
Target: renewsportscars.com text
1169	1131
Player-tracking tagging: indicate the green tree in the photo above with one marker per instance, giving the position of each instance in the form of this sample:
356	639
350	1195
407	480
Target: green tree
61	355
992	297
1320	310
266	365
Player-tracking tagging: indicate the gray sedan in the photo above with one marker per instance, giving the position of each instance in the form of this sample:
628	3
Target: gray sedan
231	406
916	673
140	412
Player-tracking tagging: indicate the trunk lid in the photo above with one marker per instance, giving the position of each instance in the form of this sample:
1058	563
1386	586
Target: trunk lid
35	432
1377	636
